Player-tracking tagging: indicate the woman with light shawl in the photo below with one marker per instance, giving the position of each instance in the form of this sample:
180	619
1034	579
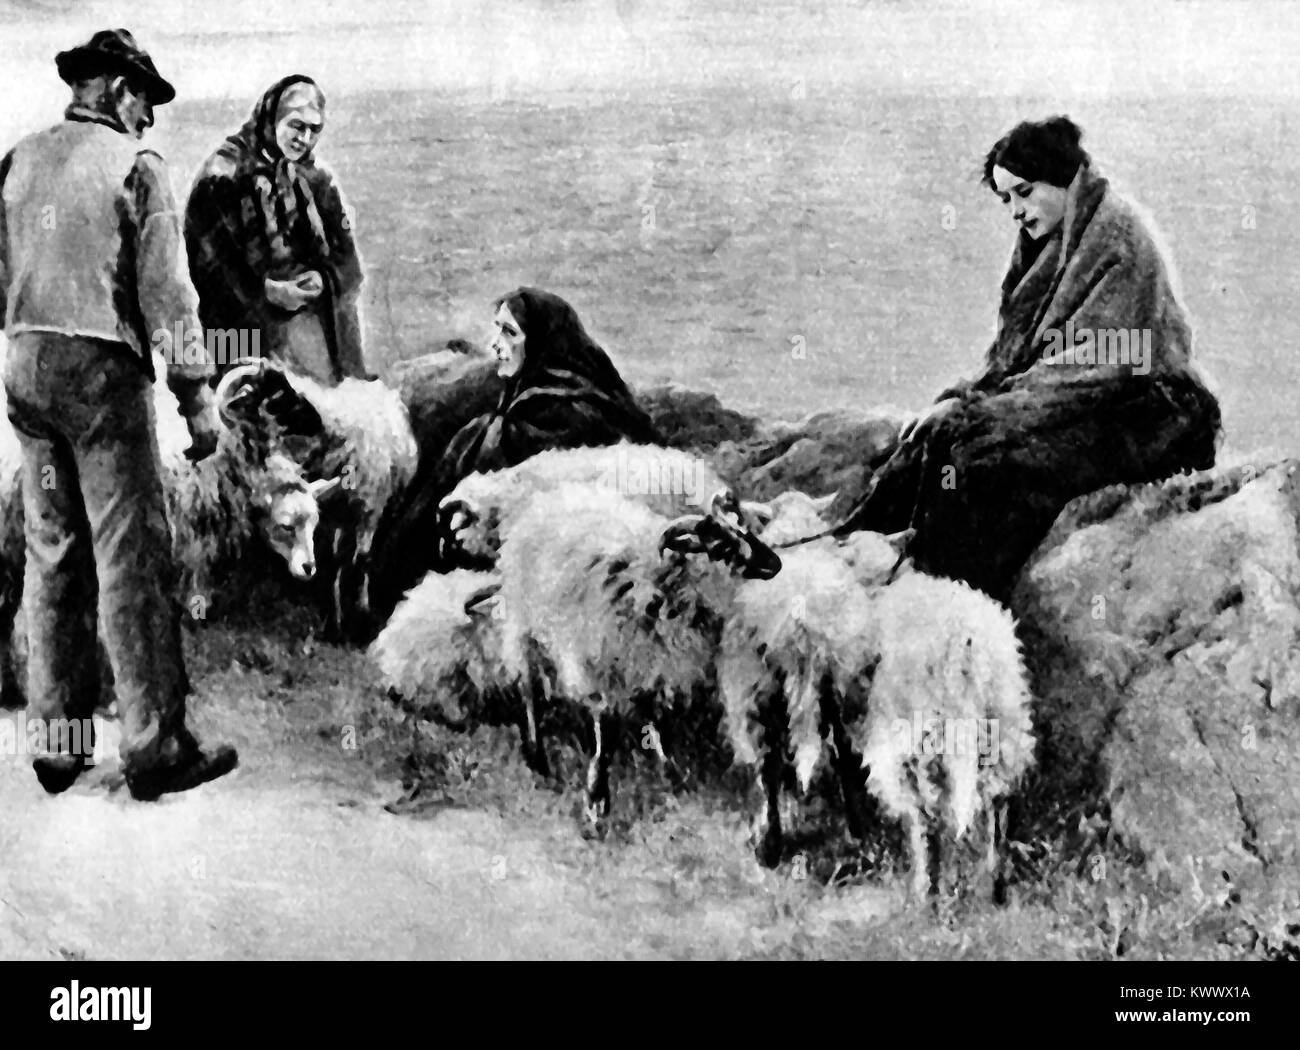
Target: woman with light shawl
270	241
552	387
1088	383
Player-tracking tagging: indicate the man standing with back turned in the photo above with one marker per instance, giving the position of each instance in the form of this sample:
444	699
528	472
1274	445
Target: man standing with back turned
90	265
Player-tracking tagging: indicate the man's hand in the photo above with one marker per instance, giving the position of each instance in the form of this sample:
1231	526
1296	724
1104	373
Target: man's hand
927	419
205	428
293	295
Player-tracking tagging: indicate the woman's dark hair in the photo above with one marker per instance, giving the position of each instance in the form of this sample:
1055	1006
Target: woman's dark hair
1039	151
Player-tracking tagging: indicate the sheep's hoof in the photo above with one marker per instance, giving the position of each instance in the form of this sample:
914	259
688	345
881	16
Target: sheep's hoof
596	818
769	848
535	757
597	808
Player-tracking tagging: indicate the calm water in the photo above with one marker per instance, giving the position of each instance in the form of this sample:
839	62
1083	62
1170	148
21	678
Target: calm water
783	207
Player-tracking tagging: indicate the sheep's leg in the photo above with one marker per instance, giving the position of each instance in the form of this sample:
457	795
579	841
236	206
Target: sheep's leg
848	764
767	833
534	753
996	859
12	693
934	860
667	767
918	865
605	729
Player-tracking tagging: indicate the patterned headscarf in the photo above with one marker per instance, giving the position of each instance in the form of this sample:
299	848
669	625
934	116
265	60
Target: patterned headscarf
276	195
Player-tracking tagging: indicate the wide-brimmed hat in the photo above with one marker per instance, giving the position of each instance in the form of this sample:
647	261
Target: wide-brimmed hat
115	52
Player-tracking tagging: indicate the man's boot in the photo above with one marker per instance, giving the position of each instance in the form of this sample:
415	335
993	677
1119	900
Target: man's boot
182	766
57	773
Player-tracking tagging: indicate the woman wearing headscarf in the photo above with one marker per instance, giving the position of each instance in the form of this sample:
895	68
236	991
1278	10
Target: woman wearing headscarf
1089	381
554	388
561	390
270	241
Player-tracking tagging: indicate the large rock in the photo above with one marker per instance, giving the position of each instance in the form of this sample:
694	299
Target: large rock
1163	629
818	454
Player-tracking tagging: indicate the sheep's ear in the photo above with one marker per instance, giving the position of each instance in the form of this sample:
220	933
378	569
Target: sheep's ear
756	515
822	504
484	601
900	540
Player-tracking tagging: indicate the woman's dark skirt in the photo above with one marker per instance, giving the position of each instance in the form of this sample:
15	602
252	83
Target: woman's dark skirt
983	485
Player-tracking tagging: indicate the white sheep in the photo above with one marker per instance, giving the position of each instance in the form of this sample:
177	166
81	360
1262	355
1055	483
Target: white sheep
441	644
948	732
601	591
668	481
919	680
358	432
794	655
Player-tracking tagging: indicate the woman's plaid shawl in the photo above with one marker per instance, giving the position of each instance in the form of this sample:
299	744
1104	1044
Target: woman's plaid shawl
252	214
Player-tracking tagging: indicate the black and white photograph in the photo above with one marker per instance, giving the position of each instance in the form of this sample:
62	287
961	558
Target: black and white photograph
590	480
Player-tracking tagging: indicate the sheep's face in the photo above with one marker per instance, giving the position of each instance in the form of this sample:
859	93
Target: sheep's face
876	559
468	536
724	536
292	512
789	517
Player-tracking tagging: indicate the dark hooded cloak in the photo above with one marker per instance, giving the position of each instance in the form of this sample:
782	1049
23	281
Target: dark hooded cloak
568	394
251	215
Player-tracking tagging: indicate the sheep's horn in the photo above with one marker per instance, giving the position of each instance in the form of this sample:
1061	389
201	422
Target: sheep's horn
243	370
900	540
682	535
324	487
823	503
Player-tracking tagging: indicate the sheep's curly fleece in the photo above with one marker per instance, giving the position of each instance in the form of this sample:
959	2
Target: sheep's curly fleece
432	650
376	452
917	645
949	652
582	578
667	481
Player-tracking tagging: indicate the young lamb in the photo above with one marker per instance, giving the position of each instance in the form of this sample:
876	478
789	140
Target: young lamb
668	481
919	680
601	589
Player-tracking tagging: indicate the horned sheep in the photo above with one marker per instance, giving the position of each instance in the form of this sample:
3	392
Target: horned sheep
588	592
668	481
216	507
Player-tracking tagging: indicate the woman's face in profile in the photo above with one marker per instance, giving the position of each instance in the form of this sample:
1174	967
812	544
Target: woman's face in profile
1036	207
507	342
298	130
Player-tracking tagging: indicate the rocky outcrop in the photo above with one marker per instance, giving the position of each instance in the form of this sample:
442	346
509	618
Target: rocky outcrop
818	454
1163	631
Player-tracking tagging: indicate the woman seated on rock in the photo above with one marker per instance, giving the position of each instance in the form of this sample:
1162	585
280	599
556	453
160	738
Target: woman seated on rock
555	388
270	240
1088	382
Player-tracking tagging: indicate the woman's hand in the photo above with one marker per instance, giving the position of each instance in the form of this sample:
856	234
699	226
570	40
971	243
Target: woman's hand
291	295
310	282
927	419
